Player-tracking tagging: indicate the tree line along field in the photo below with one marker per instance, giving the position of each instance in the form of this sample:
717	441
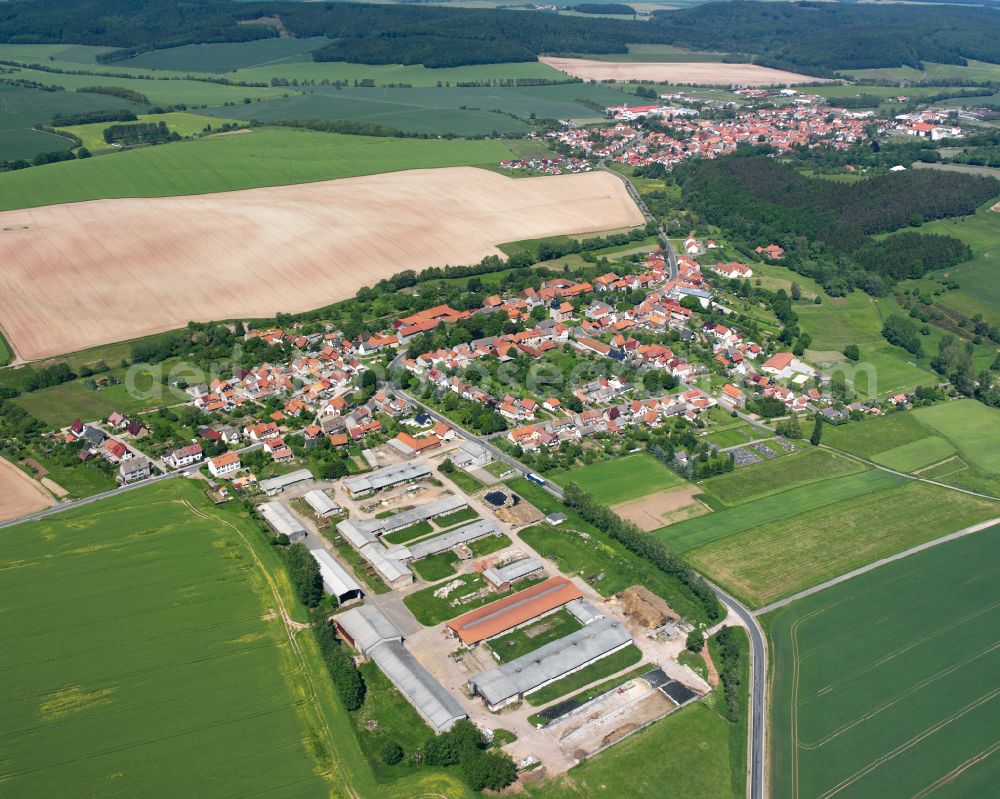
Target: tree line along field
147	655
885	685
264	157
23	108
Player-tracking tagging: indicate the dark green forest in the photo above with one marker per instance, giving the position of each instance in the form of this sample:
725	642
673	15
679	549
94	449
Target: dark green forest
817	38
827	226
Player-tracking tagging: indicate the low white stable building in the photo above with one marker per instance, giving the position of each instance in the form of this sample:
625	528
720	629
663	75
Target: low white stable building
282	521
336	580
321	503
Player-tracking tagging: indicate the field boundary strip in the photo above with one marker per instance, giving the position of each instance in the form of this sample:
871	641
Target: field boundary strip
909	476
291	628
975	528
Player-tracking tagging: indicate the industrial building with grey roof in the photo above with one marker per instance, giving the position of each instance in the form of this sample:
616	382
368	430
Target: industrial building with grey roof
403	519
282	520
372	633
336	579
386	477
463	535
528	673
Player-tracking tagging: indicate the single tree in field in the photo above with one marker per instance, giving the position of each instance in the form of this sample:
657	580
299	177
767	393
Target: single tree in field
817	433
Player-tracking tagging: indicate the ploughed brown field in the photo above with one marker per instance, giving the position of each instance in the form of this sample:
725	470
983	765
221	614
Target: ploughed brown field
19	494
84	274
681	72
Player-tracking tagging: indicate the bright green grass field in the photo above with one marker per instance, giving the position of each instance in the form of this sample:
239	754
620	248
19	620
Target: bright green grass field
978	278
621	479
58	406
874	435
693	533
964	426
774	476
687	751
263	157
886	685
973	427
767	563
916	454
181	122
138	661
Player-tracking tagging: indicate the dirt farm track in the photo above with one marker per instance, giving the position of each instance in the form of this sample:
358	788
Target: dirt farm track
83	274
712	74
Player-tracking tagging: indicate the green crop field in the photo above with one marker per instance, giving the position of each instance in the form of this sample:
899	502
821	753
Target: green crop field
621	479
440	110
263	157
146	654
44	53
693	533
413	114
221	57
766	563
774	476
687	751
886	685
143	656
22	108
415	75
974	71
166	92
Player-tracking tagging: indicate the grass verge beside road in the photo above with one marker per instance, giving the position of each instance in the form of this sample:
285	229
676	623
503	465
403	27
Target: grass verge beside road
767	563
